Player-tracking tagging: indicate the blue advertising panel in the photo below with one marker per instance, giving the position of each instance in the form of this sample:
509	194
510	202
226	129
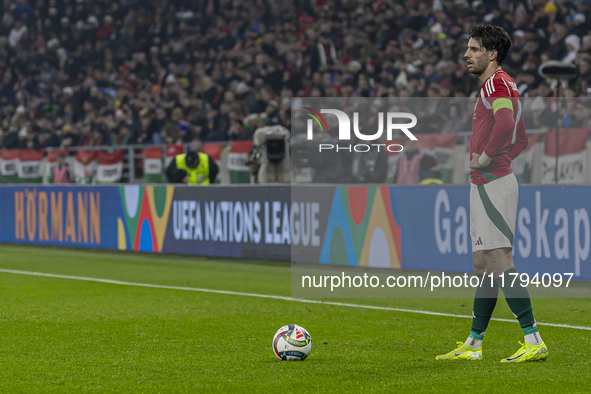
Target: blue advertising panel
552	232
245	222
428	227
416	227
82	216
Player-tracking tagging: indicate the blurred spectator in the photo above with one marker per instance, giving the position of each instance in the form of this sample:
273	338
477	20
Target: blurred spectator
456	121
429	173
558	49
220	125
156	125
49	139
407	171
16	33
573	44
171	131
61	172
124	137
70	136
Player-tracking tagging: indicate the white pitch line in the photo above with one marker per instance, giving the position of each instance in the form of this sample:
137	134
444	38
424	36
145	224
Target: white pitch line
275	297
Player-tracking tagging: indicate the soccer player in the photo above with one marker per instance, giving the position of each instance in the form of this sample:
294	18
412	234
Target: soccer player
498	137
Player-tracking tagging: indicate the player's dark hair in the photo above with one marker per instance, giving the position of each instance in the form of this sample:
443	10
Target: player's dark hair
493	37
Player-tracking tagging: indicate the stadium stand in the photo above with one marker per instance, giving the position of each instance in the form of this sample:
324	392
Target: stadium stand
77	73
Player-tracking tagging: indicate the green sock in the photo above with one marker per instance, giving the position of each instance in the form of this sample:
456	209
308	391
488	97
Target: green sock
485	300
530	329
518	300
475	335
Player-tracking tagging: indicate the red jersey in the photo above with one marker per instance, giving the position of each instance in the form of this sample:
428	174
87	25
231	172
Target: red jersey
497	127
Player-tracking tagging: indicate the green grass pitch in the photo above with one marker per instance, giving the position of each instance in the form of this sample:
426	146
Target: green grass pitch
71	336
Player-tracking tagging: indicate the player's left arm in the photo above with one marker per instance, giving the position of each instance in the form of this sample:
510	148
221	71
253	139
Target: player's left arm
497	93
521	140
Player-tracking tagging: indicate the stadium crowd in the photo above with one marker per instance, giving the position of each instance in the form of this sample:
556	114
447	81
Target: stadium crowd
104	72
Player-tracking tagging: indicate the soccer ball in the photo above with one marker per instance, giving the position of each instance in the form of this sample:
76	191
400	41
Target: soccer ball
292	343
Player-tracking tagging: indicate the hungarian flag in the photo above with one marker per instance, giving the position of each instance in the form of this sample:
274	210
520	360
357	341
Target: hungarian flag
441	147
153	165
572	156
110	167
52	163
30	166
85	166
215	152
239	171
171	151
522	165
9	169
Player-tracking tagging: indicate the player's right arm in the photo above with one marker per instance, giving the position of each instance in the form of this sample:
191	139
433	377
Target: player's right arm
497	93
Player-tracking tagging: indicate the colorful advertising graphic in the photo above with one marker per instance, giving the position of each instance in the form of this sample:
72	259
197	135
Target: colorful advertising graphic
361	229
245	222
144	212
415	227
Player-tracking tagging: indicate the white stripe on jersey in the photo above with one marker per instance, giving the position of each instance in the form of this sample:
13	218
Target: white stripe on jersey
487	105
509	90
489	85
514	137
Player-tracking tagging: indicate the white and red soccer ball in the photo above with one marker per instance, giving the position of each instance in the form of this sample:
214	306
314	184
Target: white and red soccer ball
292	343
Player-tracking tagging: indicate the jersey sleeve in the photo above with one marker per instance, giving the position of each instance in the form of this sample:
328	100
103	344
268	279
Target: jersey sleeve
496	86
521	140
496	92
